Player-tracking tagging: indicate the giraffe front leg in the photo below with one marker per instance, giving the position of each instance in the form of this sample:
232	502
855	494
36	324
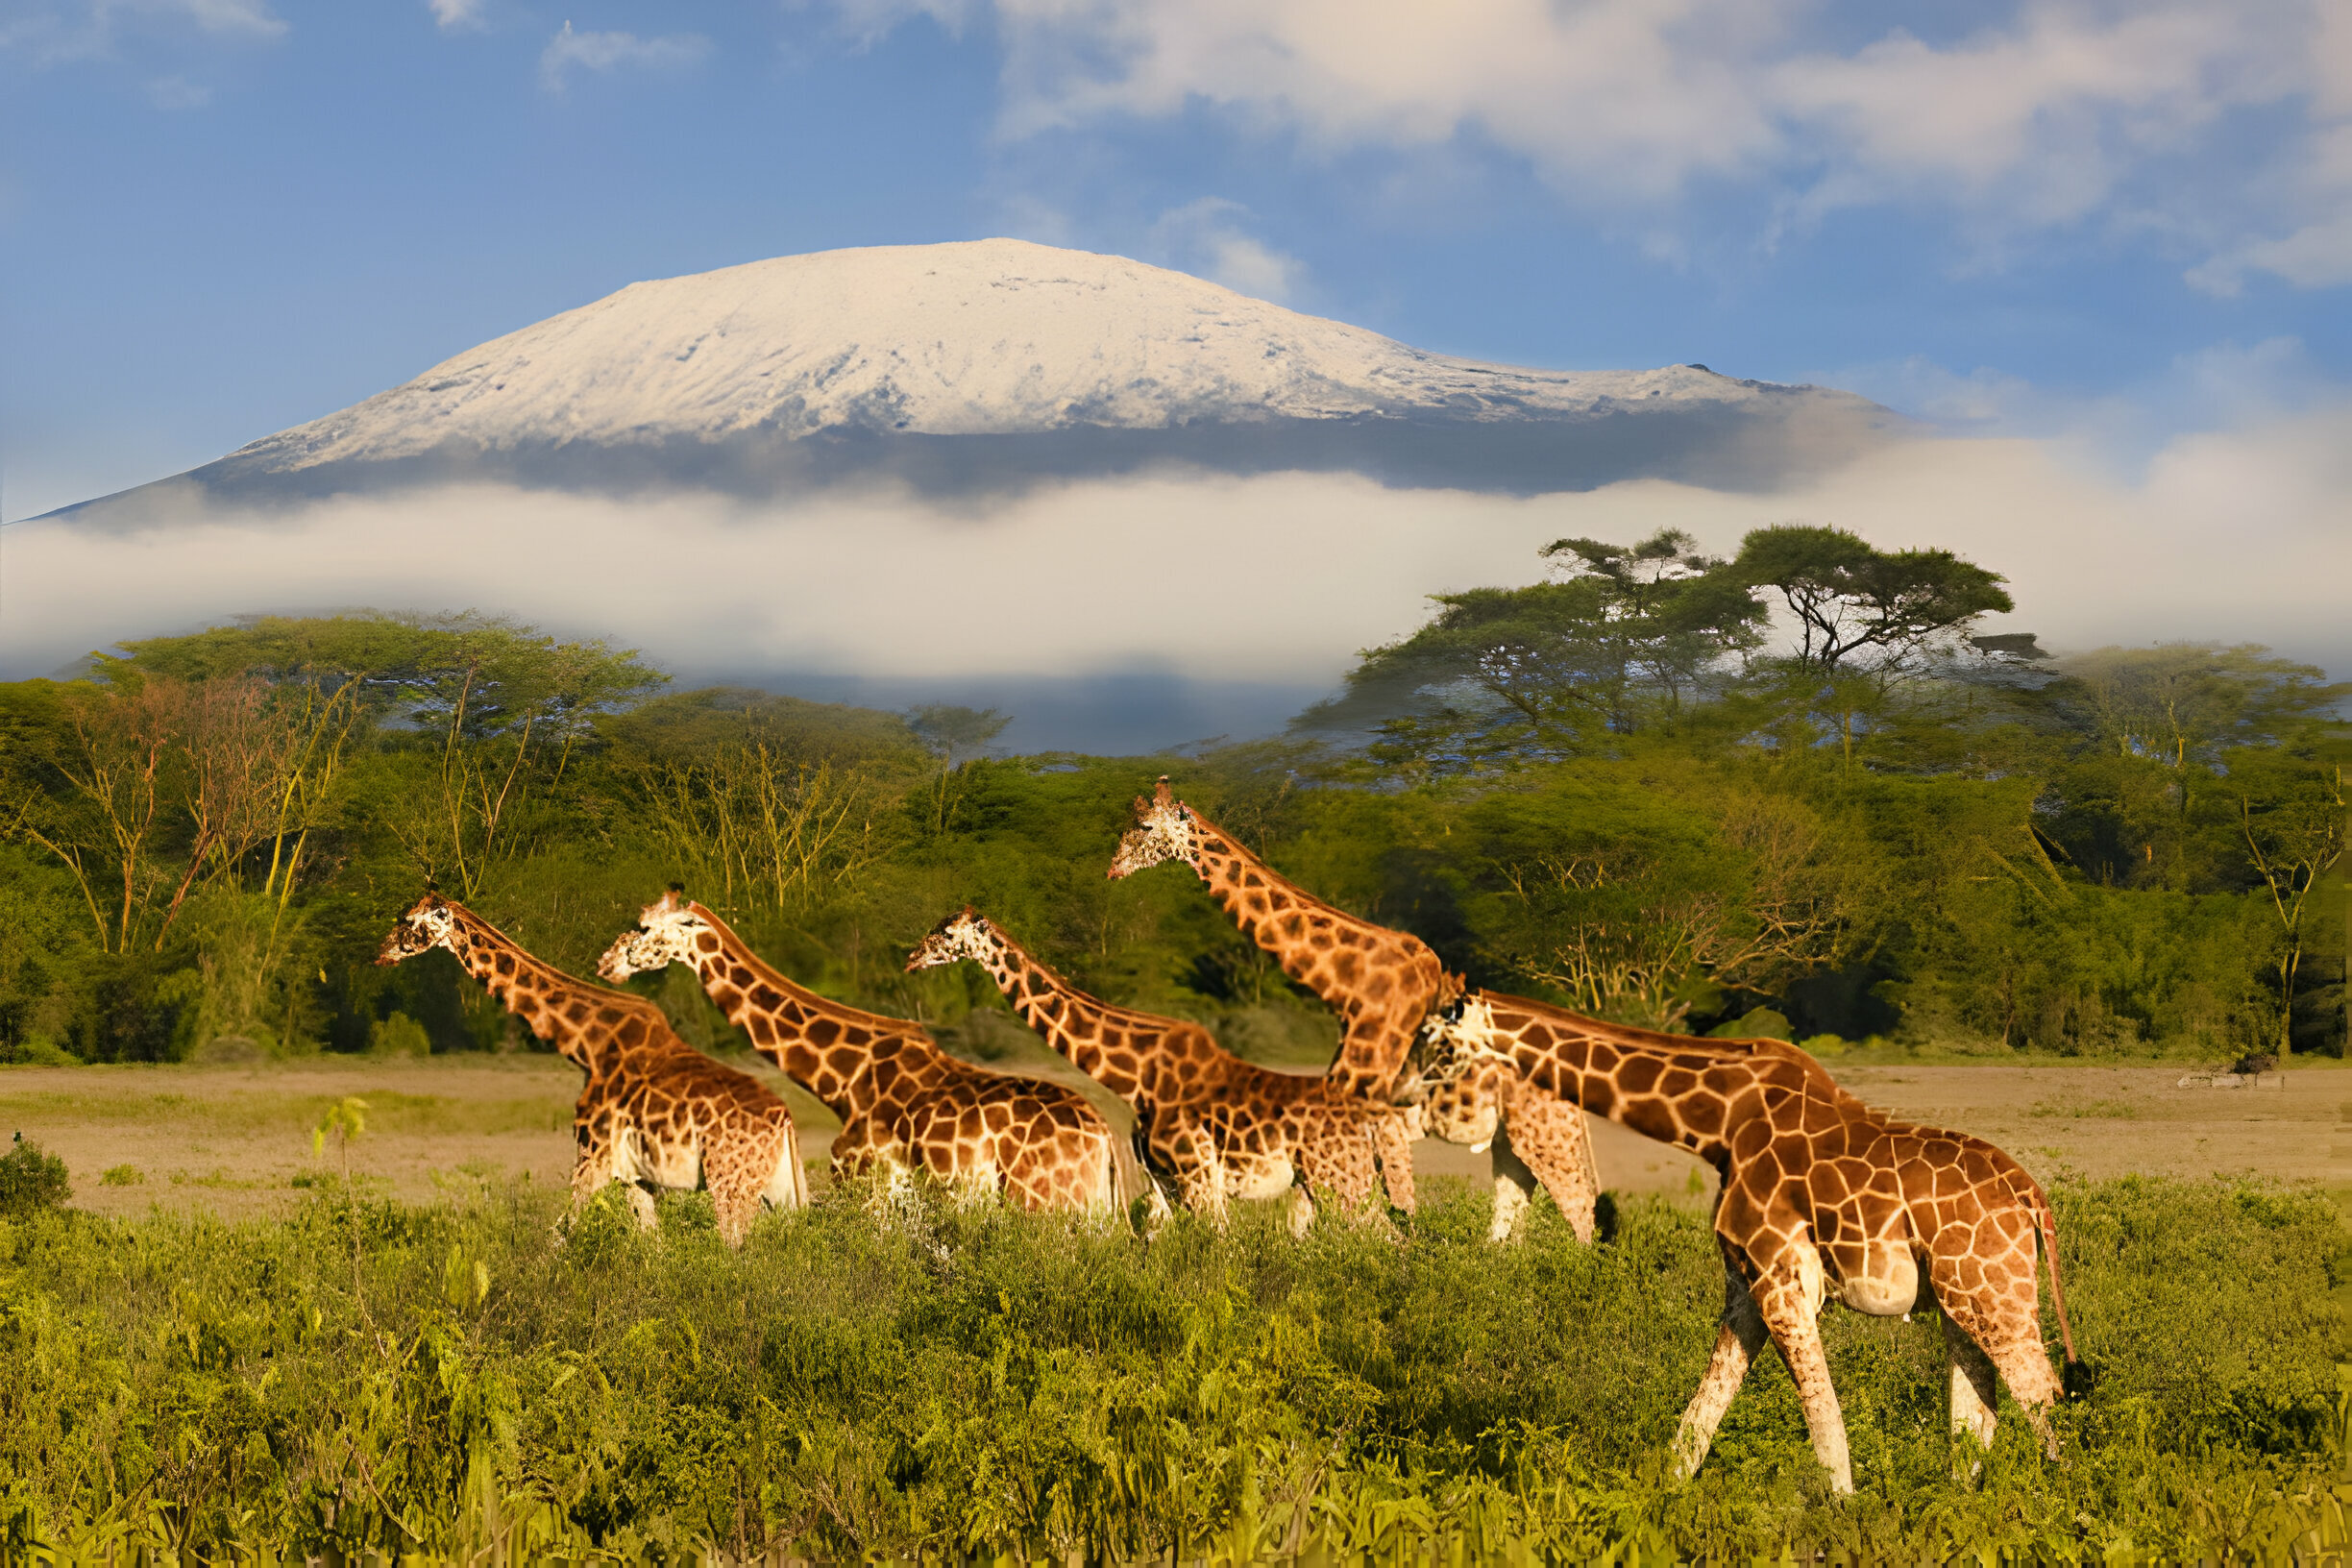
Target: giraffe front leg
1547	1139
1395	1134
1510	1194
1337	1158
1302	1213
1188	1149
597	1161
1789	1296
1738	1341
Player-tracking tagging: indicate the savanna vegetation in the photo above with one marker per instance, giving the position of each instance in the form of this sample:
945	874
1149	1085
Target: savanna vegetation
1617	788
884	1376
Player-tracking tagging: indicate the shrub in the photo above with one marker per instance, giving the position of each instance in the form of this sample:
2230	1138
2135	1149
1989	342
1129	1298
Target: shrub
399	1035
31	1181
954	1382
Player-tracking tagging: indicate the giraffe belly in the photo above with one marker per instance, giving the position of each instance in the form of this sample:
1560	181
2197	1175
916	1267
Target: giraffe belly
661	1163
1258	1176
1888	1284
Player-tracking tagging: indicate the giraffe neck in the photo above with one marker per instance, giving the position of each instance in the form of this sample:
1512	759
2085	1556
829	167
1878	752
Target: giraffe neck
746	989
1266	905
1071	1021
534	990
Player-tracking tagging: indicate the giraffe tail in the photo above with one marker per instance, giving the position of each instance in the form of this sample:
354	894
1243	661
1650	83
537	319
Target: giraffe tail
2048	1219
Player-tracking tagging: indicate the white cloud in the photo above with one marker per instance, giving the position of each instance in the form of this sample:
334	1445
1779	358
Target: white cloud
58	32
2240	535
1206	238
458	16
2228	389
568	51
2048	114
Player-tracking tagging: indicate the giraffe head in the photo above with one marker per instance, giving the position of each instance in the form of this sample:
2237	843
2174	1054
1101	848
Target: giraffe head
960	936
431	922
667	933
1455	1043
1163	831
1465	1109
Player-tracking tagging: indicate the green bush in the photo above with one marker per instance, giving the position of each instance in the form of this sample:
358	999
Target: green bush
31	1181
367	1377
399	1035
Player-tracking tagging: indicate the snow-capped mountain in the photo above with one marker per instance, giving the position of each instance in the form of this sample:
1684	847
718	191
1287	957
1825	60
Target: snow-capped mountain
994	362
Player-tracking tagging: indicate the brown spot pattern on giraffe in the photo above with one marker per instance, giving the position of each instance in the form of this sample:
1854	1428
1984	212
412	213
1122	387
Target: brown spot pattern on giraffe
902	1100
652	1110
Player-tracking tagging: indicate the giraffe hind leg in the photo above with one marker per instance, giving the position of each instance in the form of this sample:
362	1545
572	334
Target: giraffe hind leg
1974	1396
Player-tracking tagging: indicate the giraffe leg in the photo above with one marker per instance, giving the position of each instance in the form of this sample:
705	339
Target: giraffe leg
1510	1195
734	1201
1789	1296
641	1206
1337	1158
1999	1310
1302	1213
1393	1135
1972	1394
1200	1175
592	1167
1547	1139
1737	1342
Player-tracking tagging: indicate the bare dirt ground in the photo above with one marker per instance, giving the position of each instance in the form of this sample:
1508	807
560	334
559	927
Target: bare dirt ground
237	1141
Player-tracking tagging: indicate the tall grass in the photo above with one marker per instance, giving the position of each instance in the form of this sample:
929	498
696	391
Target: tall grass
370	1377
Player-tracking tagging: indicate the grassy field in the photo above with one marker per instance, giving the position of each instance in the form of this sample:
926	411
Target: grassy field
234	1140
230	1365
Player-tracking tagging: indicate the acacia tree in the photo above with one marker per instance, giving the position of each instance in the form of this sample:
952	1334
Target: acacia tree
1854	605
2290	814
147	788
955	735
1866	620
1624	638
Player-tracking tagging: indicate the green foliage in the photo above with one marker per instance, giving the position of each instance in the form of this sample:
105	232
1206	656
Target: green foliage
1854	602
370	1378
30	1180
399	1035
1941	857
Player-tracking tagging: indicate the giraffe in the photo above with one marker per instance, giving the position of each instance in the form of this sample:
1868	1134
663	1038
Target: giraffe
1382	984
653	1112
1223	1126
1534	1138
901	1100
1821	1196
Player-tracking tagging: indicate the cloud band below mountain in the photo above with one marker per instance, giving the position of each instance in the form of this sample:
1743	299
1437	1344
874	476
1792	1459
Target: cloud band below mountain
1272	581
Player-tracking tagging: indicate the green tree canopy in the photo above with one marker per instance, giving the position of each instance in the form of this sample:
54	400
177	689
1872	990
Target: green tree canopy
1854	603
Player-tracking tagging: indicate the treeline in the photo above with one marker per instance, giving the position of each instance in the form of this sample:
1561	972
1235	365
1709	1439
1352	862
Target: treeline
1611	788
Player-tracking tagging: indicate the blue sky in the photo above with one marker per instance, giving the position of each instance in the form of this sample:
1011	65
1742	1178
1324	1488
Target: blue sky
2119	223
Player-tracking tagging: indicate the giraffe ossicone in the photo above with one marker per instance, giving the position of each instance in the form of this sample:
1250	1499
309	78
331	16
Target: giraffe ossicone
1821	1198
902	1102
652	1112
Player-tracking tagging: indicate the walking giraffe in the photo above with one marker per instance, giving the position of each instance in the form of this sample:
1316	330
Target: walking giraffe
653	1112
901	1100
1382	984
1820	1195
1221	1126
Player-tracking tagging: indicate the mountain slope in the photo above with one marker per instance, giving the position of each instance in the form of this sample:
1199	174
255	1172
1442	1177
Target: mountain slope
994	362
